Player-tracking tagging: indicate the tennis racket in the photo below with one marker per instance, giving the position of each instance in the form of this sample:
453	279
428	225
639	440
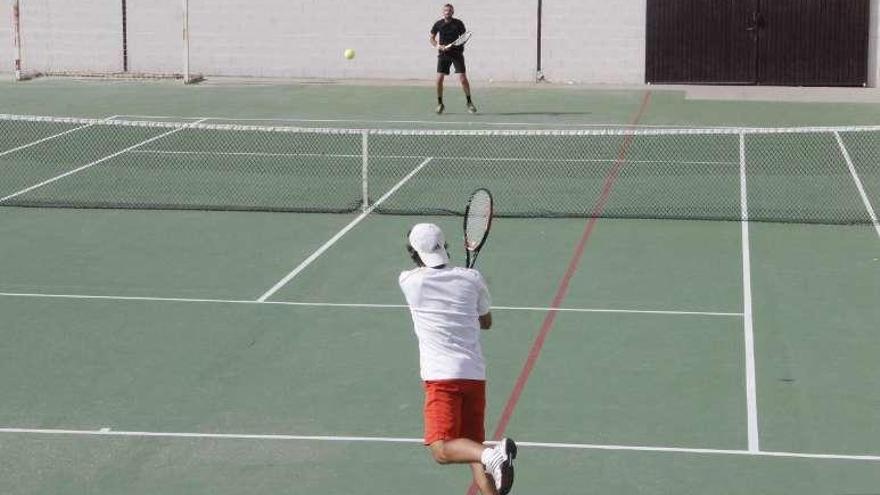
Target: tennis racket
461	40
477	221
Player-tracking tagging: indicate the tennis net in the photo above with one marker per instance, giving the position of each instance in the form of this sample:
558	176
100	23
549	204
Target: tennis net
810	175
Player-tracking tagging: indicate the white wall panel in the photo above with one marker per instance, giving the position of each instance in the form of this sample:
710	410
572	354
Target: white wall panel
584	40
594	41
587	41
67	35
306	38
6	50
155	36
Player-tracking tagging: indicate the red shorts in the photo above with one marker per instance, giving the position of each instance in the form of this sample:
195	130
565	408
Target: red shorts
454	409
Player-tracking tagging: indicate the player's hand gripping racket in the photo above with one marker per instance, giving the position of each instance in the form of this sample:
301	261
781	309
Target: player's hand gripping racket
460	41
477	221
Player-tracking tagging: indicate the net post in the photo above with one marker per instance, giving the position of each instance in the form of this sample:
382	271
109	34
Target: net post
186	76
365	169
16	38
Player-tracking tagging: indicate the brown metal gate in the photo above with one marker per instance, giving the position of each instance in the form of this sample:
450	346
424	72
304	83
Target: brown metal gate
700	41
813	42
773	42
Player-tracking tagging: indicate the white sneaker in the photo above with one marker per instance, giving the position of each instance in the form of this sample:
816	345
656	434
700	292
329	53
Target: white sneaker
502	465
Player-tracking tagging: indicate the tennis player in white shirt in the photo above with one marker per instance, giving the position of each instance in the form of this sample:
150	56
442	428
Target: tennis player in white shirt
449	307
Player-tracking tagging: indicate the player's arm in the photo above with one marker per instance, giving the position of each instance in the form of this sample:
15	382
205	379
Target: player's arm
436	43
433	39
486	321
484	303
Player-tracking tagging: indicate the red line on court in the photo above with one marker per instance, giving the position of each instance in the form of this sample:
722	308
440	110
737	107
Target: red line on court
562	290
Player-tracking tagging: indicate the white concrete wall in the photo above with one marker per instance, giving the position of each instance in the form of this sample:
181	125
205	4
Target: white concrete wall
594	41
587	41
584	40
306	38
81	35
155	36
6	51
504	40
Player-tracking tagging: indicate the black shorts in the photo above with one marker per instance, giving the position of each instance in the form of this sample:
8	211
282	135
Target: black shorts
445	59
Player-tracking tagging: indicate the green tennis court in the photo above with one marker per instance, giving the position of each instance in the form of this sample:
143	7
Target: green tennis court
183	314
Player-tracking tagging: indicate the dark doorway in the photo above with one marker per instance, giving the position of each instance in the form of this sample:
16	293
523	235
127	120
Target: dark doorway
700	41
814	42
773	42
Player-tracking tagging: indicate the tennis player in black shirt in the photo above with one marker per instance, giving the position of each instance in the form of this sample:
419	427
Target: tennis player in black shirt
450	28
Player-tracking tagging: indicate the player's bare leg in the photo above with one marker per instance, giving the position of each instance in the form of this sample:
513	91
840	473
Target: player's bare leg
440	106
458	451
497	462
466	86
483	481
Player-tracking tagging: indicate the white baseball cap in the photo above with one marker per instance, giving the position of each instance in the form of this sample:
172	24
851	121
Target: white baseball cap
427	239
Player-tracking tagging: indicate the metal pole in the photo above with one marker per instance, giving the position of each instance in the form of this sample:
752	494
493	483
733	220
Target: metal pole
186	77
539	73
124	37
16	38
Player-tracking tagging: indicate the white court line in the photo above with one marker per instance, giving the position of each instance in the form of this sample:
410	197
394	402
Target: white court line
308	261
28	145
106	432
631	311
855	176
429	122
78	169
354	305
748	327
461	158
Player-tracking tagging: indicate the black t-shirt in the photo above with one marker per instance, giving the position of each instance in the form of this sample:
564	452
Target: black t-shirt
449	32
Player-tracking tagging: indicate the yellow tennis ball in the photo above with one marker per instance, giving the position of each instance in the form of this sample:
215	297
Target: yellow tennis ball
349	54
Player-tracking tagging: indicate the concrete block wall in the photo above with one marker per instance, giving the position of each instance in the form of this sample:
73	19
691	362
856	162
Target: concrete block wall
82	35
594	41
584	41
6	51
155	36
504	40
306	38
273	38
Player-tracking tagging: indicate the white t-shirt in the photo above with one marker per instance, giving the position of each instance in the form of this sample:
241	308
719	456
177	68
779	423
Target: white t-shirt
445	304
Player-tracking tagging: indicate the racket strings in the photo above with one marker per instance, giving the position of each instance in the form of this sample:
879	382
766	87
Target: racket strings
462	39
479	215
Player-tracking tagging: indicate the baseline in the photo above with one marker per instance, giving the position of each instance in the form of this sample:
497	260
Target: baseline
430	122
359	305
106	431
